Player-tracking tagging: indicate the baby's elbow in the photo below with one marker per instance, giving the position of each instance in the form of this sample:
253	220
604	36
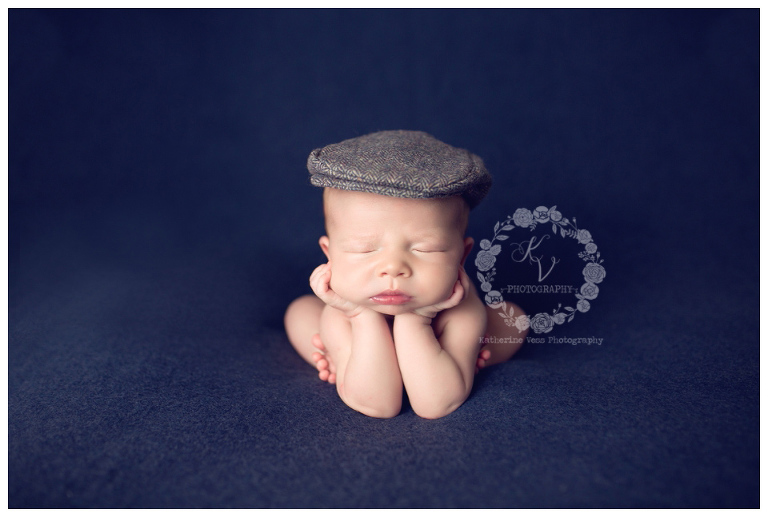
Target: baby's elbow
436	412
378	412
382	413
438	409
374	408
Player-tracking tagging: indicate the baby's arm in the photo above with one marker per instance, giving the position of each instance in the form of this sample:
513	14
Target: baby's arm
367	374
438	373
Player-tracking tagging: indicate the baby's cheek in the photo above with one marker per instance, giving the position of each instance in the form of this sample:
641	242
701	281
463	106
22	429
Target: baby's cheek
446	284
337	285
341	286
448	290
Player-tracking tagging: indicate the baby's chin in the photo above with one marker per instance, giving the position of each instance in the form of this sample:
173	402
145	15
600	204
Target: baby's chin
392	310
395	310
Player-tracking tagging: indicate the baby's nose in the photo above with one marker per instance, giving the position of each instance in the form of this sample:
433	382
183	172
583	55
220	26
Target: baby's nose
394	265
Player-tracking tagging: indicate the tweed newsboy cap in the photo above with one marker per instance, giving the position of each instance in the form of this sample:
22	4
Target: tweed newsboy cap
408	164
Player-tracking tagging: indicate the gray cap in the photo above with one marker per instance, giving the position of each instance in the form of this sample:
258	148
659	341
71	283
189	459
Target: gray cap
408	164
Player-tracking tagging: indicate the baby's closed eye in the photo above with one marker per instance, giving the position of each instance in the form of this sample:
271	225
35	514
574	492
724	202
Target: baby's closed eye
429	246
426	249
360	248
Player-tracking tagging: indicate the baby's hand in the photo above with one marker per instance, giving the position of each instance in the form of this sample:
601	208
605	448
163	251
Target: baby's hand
320	281
460	289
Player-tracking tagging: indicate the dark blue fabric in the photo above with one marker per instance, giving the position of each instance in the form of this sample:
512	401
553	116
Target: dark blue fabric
161	219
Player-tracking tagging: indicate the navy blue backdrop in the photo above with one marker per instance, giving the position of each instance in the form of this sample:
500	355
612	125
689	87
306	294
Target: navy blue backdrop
161	218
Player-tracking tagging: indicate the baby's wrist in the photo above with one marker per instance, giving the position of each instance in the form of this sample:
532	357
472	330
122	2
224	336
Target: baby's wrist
362	314
414	318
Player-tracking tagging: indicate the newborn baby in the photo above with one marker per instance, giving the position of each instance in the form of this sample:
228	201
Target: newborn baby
393	307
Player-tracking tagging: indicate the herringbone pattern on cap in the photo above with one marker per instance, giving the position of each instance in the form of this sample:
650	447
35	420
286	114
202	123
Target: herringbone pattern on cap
410	164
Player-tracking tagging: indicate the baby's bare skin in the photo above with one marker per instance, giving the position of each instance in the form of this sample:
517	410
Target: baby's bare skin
327	369
312	349
394	308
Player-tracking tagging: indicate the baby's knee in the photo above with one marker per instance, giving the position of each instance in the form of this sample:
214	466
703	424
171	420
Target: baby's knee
302	305
302	322
302	316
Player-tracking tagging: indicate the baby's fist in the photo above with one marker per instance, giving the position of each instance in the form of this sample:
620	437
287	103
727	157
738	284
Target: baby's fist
320	282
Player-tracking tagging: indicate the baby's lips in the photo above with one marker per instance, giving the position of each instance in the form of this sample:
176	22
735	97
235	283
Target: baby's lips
391	297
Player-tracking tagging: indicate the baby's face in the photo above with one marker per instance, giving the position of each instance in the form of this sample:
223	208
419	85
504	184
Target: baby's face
391	254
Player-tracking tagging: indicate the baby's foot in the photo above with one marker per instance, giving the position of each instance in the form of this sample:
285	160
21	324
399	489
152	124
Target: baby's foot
482	359
325	367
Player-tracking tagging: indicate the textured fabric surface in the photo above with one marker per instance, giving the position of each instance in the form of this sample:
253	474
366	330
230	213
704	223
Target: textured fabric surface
400	163
161	219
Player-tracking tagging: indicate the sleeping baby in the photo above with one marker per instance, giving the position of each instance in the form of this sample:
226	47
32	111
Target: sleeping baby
393	308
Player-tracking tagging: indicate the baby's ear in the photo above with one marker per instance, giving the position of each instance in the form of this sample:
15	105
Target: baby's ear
468	243
324	242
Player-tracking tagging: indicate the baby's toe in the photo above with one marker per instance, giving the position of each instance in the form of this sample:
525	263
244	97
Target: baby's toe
482	360
317	343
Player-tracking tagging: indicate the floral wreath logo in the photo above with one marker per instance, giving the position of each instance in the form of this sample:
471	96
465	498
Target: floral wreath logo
593	271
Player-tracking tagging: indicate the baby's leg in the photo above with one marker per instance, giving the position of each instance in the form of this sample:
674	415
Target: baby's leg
503	341
326	368
302	322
